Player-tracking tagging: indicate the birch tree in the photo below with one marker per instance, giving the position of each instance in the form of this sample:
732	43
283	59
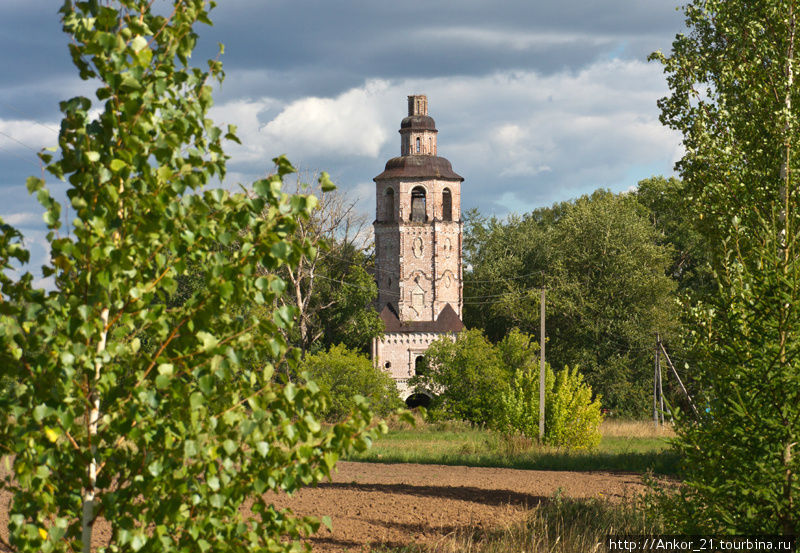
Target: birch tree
734	98
332	290
166	443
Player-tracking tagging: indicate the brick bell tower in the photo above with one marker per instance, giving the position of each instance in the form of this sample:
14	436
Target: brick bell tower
417	248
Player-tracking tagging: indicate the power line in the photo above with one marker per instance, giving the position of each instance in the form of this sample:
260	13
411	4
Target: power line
35	122
15	154
19	142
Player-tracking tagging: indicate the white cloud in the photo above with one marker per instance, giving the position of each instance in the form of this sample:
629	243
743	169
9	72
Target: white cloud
349	124
22	218
352	125
523	138
17	134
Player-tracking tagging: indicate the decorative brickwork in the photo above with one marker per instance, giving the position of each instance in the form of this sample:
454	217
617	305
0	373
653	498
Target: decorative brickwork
417	247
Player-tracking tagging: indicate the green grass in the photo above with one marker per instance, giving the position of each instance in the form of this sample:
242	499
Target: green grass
628	447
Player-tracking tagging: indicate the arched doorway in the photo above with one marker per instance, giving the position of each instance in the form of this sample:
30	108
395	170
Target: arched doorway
418	399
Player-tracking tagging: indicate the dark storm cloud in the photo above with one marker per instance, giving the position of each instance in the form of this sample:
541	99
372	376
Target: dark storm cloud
531	103
338	44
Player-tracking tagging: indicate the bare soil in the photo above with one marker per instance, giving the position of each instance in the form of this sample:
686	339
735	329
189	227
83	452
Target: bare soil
398	504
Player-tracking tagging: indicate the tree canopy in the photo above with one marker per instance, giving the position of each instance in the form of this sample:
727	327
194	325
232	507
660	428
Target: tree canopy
166	442
733	96
608	292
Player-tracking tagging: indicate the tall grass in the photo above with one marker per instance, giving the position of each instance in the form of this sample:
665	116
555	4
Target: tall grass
620	428
559	525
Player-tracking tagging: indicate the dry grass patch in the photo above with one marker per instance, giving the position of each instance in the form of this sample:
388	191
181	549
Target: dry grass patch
617	428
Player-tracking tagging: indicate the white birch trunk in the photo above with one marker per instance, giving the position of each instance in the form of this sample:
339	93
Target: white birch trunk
87	523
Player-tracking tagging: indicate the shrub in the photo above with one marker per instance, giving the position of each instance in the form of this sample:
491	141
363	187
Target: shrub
468	376
572	419
520	404
498	386
345	374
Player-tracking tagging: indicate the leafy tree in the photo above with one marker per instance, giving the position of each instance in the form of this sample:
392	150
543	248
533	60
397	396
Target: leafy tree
465	376
734	96
166	444
607	289
346	292
610	297
504	257
670	212
345	374
331	288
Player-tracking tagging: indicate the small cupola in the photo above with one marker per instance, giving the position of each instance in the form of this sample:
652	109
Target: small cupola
418	130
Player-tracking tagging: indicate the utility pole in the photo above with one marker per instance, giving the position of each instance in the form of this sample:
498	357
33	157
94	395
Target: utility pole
685	392
655	383
660	380
541	371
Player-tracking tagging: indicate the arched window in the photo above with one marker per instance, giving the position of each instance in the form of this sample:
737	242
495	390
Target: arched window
420	366
388	205
417	144
418	208
447	205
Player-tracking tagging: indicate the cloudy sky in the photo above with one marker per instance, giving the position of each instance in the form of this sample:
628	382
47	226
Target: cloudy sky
535	102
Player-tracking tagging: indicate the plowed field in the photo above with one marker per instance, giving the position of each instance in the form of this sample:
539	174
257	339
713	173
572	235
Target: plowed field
372	504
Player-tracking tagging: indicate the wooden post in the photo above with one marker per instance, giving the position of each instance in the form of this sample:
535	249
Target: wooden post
655	384
660	388
671	366
541	370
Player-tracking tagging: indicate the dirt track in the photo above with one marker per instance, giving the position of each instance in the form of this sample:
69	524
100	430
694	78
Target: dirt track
401	504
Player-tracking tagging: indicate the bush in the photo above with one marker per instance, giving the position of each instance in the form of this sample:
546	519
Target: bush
467	375
498	386
344	374
572	419
520	403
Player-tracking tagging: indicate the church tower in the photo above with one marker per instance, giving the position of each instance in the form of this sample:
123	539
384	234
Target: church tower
417	248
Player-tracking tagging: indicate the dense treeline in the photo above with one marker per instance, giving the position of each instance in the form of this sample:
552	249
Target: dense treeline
614	266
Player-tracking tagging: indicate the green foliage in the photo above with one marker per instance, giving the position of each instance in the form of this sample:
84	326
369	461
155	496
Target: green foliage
332	289
465	374
670	212
746	376
520	404
572	418
734	94
345	374
350	318
607	289
498	386
167	443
